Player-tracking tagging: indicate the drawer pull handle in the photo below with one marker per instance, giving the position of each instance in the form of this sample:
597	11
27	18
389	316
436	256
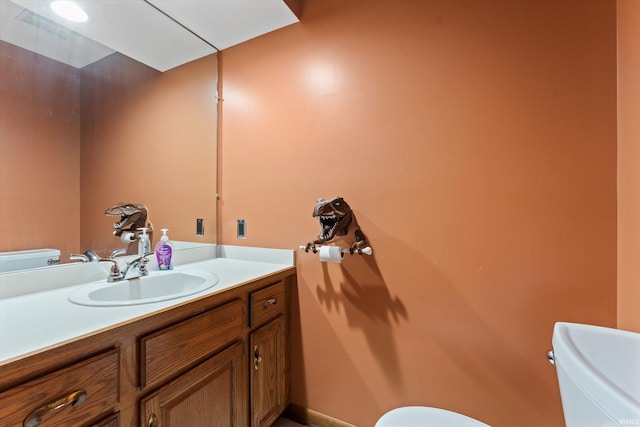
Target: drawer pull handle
74	400
257	359
270	301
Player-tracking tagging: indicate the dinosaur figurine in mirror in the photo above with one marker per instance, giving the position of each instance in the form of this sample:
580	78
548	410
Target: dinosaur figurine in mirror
337	221
133	217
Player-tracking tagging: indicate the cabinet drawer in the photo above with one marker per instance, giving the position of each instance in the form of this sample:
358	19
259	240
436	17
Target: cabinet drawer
266	304
68	397
173	349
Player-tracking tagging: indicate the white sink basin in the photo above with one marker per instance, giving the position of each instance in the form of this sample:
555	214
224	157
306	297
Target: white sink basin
157	286
599	375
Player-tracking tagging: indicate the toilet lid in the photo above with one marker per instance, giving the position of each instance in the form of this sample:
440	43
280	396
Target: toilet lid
422	416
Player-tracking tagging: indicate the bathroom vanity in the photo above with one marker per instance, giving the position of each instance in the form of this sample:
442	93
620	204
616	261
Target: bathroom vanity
220	357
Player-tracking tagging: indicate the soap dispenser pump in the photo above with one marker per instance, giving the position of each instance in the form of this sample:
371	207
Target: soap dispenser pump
144	244
164	251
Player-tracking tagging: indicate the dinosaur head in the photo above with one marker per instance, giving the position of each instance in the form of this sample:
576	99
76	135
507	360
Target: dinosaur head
131	216
334	215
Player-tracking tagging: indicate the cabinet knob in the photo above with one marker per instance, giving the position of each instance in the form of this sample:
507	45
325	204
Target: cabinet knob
269	302
153	421
257	358
73	399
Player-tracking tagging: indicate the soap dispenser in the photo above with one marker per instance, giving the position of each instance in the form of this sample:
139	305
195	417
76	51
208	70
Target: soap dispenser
164	251
144	244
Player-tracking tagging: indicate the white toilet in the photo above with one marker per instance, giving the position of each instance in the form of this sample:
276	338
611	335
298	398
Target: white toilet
423	416
33	258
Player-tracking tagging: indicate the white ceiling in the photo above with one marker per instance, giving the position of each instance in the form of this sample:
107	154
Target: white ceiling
143	30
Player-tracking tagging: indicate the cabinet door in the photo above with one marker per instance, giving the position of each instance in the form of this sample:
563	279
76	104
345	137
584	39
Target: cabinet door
209	395
269	388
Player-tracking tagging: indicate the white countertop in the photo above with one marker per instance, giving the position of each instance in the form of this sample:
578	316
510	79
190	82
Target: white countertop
37	320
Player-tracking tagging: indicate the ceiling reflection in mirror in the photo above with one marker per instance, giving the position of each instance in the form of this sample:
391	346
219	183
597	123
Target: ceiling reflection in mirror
98	120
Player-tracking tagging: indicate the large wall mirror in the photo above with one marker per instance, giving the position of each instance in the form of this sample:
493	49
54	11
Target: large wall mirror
133	121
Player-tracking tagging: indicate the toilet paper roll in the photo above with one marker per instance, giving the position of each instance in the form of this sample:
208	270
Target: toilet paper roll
128	237
331	254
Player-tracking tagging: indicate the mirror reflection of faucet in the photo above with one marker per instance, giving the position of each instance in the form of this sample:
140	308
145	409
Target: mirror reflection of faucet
87	256
78	257
117	252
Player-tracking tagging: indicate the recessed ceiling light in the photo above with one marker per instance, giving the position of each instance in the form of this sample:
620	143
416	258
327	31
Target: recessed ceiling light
69	10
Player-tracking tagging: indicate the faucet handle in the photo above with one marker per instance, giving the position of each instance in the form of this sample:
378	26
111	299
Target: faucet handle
114	272
143	264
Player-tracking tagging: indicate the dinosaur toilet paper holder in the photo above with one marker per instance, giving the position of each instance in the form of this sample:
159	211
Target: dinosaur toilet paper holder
364	251
337	220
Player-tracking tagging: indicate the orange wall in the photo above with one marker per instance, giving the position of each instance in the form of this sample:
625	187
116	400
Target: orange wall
476	142
39	152
628	161
149	138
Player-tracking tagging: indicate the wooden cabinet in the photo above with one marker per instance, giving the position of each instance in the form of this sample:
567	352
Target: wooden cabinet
269	380
209	395
218	361
268	343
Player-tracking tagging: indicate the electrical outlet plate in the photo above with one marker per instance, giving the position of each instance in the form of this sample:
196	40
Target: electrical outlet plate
242	229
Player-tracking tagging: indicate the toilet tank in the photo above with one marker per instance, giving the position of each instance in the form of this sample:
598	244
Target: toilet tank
33	258
599	375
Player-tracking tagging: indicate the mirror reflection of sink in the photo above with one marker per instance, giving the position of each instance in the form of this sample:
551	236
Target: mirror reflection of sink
598	372
157	286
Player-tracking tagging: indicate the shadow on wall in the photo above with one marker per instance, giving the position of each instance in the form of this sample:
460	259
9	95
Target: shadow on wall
367	302
463	334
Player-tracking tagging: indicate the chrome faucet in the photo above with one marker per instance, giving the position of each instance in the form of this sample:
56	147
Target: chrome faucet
87	256
133	269
139	266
